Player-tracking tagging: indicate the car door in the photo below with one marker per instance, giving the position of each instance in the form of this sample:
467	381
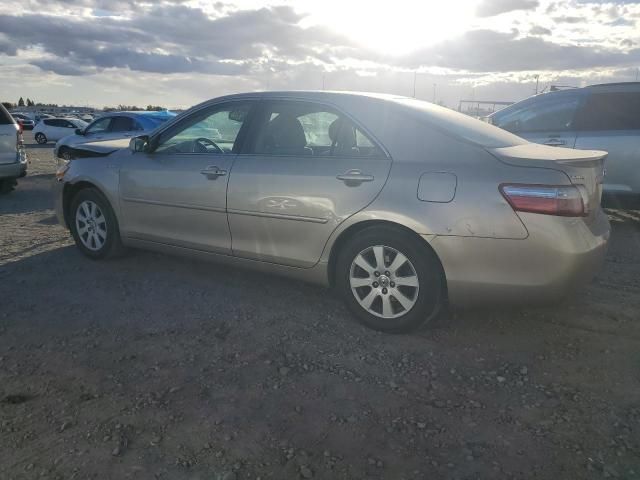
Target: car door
176	194
98	129
306	168
66	128
120	127
610	121
547	119
56	129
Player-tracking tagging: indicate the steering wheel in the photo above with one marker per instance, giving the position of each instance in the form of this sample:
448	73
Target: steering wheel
202	144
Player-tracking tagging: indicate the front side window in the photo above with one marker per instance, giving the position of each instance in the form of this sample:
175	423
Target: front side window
99	126
214	130
610	111
309	129
550	113
122	124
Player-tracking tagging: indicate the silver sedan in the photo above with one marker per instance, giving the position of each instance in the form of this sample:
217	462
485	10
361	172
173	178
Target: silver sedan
400	205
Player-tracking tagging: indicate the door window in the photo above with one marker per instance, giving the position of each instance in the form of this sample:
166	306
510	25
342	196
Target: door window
122	124
548	113
213	130
610	111
309	129
99	126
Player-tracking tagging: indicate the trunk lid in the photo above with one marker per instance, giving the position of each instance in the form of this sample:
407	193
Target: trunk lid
585	168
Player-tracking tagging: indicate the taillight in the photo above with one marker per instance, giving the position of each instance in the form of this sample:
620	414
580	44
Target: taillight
564	200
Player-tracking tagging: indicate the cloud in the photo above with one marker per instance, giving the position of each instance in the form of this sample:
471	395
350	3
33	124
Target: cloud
490	8
489	51
171	38
538	30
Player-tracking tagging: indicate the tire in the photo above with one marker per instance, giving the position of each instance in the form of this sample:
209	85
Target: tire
41	138
94	225
7	185
400	297
65	154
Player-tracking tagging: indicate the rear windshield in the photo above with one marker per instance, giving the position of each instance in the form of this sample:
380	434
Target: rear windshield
460	125
5	117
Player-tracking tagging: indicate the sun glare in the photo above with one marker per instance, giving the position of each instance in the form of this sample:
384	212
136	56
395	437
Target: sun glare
397	27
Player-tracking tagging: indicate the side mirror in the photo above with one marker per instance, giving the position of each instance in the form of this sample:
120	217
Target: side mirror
79	131
139	144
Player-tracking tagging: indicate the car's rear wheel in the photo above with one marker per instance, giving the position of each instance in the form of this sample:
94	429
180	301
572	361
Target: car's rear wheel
41	138
389	279
93	225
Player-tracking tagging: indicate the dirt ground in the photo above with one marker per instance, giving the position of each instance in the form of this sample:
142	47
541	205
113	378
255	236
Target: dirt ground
158	367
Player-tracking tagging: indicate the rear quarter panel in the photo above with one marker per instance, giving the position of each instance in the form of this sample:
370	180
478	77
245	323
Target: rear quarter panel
623	162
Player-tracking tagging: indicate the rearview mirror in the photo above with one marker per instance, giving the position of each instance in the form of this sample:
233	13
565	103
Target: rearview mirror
79	131
237	115
139	144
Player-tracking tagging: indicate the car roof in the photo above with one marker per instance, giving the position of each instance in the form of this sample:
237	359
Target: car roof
142	114
442	118
615	87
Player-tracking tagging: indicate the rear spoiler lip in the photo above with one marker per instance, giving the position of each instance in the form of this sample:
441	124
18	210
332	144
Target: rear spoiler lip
531	152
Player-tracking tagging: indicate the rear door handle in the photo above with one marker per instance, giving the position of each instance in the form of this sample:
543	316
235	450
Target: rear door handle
355	177
555	142
212	172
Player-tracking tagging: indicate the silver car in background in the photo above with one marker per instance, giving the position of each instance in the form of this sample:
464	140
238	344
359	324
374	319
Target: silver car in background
399	204
604	117
13	157
94	139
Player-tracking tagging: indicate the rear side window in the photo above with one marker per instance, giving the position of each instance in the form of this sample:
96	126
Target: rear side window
122	124
309	129
55	122
548	113
610	111
5	117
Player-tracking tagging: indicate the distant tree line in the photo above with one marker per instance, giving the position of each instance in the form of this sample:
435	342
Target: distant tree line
27	103
131	108
134	108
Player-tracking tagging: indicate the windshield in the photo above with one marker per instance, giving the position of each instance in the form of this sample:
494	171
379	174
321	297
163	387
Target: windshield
461	125
79	123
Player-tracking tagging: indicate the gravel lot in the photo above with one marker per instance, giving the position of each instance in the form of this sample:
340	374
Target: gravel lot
159	367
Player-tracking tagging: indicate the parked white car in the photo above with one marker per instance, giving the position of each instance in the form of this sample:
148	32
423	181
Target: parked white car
53	129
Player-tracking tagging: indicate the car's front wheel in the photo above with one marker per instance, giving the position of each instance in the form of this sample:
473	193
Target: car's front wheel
65	153
390	280
41	138
93	225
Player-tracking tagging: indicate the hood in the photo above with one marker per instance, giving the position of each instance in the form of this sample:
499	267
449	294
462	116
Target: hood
100	148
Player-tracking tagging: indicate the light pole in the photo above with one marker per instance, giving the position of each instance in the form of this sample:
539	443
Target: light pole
434	92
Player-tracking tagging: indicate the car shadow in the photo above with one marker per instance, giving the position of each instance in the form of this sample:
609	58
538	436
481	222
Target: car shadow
33	194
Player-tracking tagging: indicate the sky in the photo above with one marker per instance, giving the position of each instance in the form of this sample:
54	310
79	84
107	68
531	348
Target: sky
177	53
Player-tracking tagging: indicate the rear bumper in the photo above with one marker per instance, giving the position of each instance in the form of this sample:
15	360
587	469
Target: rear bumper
14	170
559	256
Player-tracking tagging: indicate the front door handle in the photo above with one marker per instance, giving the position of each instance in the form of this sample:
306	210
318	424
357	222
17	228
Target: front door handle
555	142
355	177
212	172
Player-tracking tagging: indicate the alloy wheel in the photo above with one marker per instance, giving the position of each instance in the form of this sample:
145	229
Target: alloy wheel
91	225
384	281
